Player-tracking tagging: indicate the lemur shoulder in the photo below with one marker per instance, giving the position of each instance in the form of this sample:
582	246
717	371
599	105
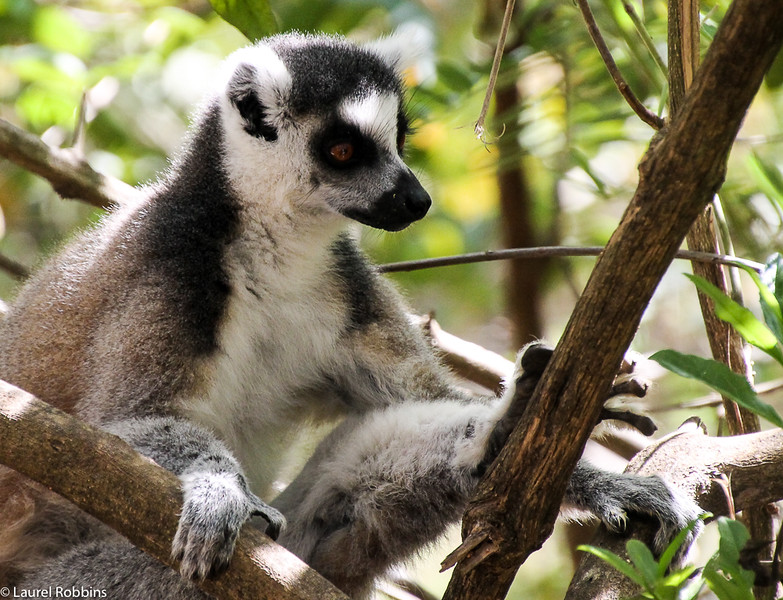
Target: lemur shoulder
230	307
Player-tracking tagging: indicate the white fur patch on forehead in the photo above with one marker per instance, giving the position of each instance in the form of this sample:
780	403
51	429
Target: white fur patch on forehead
375	116
272	79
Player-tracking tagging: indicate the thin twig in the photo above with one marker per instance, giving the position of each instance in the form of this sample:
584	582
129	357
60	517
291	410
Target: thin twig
727	246
548	252
645	37
77	143
640	109
493	75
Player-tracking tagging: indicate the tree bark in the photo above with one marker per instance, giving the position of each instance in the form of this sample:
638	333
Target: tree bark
107	478
515	507
68	173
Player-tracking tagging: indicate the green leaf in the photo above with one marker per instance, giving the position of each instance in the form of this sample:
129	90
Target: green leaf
455	77
745	322
770	285
254	18
725	589
767	177
674	545
692	589
615	561
720	378
733	537
643	560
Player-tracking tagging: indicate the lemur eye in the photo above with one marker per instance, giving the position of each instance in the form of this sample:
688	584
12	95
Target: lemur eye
401	141
342	152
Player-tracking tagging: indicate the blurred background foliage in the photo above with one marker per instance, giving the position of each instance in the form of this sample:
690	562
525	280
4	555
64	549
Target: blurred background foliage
563	133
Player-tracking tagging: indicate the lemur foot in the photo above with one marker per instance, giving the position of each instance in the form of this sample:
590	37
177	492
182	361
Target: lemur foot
533	359
652	497
215	507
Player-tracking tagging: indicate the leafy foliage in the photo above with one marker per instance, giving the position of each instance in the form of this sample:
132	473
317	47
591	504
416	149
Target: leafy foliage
254	18
720	378
650	574
766	335
723	573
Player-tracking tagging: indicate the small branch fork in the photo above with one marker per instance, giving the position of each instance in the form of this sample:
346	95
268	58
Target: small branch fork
640	109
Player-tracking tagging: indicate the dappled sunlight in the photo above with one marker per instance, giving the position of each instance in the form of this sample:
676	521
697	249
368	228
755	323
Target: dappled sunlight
14	402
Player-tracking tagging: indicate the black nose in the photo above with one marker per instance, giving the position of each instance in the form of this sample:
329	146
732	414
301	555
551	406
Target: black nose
395	208
416	201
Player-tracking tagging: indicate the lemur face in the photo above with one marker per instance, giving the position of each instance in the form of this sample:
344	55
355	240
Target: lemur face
328	117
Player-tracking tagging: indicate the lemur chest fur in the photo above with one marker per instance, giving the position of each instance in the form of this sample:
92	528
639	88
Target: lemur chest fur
278	340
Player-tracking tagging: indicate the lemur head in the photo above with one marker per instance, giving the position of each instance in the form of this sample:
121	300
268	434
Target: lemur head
322	120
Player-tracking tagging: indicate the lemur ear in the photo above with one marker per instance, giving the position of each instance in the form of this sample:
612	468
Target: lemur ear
258	87
405	48
244	96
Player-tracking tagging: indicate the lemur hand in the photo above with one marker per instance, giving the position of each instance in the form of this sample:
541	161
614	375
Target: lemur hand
215	507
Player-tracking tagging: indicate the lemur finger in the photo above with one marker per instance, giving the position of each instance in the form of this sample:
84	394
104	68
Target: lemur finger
275	520
535	358
630	387
644	424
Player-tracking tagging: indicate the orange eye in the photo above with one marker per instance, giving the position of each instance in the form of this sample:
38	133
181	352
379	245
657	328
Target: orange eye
401	141
342	152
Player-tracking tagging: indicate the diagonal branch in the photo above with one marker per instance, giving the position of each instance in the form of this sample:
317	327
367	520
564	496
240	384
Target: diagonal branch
13	268
89	467
680	173
551	251
69	175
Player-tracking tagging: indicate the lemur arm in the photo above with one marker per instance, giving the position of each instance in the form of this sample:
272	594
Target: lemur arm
383	485
216	497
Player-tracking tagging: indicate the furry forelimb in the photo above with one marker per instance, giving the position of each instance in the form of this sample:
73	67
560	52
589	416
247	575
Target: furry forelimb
89	466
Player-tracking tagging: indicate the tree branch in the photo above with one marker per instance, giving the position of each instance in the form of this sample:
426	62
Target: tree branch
13	268
678	177
104	476
549	252
69	175
493	75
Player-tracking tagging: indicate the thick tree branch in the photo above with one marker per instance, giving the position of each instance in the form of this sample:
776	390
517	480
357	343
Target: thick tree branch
725	343
69	175
679	175
104	476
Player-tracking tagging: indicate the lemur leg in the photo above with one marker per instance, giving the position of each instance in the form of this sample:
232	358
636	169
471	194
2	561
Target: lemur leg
613	497
381	487
384	485
217	500
115	567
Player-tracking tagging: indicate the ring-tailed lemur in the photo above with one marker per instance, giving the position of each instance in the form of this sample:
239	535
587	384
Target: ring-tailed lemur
230	308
